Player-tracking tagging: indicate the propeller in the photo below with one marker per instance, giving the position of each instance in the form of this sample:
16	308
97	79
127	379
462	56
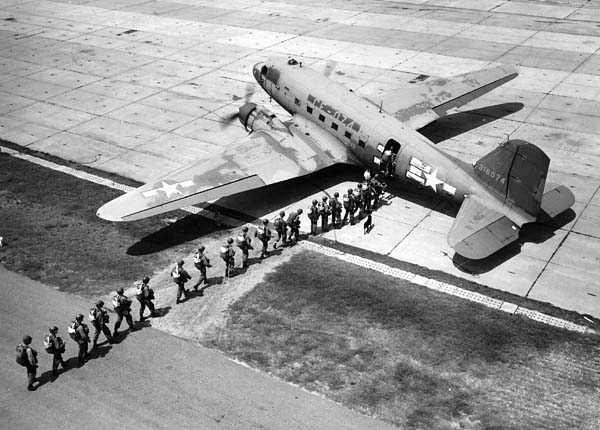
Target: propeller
228	119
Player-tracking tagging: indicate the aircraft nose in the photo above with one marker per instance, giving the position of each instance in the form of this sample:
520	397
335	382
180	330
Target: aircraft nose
256	71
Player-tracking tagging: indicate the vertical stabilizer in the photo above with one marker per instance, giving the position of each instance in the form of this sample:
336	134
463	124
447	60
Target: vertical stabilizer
516	171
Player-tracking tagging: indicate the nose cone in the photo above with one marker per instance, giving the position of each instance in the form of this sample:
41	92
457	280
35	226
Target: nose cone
256	71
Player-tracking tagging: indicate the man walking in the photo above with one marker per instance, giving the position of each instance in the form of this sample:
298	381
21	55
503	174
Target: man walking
180	277
336	210
122	307
144	294
244	242
27	357
263	234
79	332
281	229
201	262
54	345
313	216
99	318
228	255
324	212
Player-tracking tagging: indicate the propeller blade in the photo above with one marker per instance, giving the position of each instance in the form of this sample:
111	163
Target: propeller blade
329	66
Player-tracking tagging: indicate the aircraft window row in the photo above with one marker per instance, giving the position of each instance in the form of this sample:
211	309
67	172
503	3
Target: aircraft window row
334	126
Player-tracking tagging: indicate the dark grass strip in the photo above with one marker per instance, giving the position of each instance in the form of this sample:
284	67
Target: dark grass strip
414	357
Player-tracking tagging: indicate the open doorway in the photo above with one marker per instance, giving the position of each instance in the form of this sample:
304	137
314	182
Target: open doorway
388	158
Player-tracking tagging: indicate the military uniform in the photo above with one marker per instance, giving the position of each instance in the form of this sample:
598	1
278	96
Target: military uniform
349	207
336	210
29	361
324	211
264	235
294	222
201	262
99	319
180	277
122	307
313	216
228	256
144	295
54	345
281	229
79	332
244	242
376	190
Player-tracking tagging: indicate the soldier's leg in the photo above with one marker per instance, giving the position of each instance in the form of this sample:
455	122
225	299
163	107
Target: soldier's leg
106	332
118	323
82	352
142	309
244	259
97	330
31	372
129	320
179	292
55	362
203	278
151	307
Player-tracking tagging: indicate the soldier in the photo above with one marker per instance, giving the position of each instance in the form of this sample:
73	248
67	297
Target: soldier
27	357
99	318
281	229
336	210
244	242
201	262
367	175
349	207
122	307
144	294
313	216
365	193
54	345
180	277
263	234
377	188
324	211
293	221
79	332
387	163
228	255
358	201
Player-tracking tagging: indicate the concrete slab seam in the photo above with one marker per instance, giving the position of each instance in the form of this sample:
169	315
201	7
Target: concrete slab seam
351	258
450	289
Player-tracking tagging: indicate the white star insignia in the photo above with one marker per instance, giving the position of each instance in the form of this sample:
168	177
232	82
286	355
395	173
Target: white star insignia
431	180
169	189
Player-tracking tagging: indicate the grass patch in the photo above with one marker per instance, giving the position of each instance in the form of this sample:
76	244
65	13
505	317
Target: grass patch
414	357
49	222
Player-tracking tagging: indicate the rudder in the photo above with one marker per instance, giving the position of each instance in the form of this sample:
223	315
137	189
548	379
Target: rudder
516	170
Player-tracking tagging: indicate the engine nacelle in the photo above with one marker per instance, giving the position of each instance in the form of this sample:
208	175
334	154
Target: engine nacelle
256	118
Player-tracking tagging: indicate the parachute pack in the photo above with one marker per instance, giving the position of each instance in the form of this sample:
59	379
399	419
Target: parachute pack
72	330
21	357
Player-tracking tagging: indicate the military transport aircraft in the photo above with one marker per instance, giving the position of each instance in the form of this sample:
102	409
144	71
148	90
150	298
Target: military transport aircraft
330	124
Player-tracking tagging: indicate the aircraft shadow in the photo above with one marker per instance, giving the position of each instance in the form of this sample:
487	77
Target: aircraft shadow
245	207
454	124
537	232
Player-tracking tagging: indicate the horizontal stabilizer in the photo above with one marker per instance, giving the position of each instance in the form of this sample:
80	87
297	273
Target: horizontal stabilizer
556	200
479	231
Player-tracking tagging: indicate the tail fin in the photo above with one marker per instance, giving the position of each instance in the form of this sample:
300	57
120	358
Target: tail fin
516	171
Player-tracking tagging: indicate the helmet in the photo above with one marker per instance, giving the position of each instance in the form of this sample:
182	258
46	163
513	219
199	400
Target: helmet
79	317
359	185
120	291
146	280
180	263
27	340
53	329
282	213
265	221
315	202
324	198
201	248
230	240
245	228
99	303
299	211
336	194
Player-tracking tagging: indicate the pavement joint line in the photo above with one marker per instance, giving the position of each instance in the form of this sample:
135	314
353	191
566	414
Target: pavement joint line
450	289
351	258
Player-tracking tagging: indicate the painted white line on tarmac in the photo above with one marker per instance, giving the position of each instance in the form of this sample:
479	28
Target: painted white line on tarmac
350	258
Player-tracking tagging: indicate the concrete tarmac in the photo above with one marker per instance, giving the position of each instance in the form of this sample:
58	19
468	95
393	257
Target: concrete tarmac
140	87
149	380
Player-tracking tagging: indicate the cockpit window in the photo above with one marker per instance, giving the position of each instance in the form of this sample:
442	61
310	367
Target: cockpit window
272	74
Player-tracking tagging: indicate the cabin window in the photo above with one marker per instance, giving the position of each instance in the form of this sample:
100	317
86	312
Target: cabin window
309	109
321	117
361	143
380	148
334	126
348	135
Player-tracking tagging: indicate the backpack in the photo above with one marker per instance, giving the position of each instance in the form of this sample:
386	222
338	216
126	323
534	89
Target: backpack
278	223
72	330
150	294
346	202
175	274
21	357
139	290
240	240
92	315
224	252
116	302
49	344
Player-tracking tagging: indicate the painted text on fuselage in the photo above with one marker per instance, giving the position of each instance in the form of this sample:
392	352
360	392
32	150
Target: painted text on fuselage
330	110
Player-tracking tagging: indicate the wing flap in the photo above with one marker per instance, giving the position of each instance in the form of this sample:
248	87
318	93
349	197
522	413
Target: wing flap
479	231
425	102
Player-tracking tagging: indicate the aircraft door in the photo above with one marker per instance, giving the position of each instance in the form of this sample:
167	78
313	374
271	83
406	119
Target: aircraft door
388	158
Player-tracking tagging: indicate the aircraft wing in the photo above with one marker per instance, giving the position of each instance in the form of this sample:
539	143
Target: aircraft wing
267	156
479	231
425	102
